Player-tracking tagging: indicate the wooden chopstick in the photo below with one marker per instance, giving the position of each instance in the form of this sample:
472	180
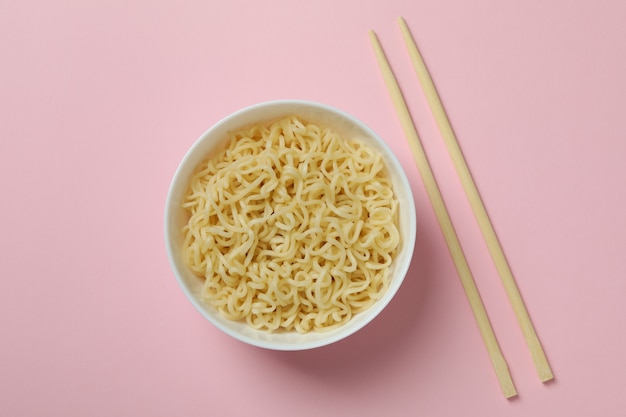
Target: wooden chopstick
467	280
521	313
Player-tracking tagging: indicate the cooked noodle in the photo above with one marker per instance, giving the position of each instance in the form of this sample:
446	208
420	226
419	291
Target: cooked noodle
291	227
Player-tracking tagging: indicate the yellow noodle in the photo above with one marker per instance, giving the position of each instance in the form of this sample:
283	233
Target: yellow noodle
292	227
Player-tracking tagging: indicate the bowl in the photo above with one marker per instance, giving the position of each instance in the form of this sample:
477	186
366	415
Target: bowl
323	115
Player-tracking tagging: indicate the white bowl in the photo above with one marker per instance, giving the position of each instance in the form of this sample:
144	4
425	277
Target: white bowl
323	115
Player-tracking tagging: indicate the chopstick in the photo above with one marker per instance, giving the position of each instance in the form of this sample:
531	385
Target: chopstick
521	313
445	223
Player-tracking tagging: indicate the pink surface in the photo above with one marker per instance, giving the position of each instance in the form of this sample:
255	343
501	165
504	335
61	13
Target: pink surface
99	100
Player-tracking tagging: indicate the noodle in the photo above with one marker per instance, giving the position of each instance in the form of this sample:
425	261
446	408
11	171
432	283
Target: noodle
291	227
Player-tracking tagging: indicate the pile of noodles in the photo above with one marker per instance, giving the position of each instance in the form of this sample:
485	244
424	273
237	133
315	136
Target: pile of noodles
292	227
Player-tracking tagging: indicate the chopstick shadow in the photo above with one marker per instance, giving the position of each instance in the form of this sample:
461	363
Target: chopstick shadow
381	340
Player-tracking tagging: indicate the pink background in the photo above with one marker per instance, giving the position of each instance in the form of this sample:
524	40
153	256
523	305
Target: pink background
99	101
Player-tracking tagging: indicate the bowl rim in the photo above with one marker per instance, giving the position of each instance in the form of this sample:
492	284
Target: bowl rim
374	310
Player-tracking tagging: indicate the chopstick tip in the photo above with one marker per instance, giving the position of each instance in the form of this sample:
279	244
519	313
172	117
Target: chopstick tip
546	376
373	36
510	395
403	25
